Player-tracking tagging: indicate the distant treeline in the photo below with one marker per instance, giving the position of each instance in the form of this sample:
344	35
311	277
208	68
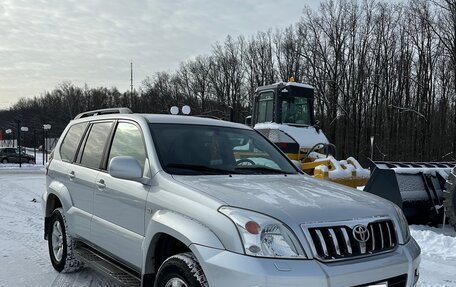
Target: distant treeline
380	69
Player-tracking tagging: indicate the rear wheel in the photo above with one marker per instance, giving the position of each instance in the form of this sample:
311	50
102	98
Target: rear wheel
181	270
61	244
450	198
5	160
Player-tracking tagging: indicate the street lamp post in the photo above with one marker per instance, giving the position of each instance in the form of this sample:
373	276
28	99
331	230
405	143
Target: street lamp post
46	127
23	129
9	131
372	147
19	141
34	143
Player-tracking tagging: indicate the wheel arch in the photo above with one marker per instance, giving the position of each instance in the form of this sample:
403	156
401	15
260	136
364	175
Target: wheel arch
176	232
57	195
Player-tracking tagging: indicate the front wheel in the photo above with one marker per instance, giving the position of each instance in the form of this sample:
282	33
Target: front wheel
181	270
61	244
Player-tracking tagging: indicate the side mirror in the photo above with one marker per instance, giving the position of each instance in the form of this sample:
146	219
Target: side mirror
125	167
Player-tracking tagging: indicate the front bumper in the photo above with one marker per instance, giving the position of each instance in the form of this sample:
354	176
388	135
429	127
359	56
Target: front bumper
226	269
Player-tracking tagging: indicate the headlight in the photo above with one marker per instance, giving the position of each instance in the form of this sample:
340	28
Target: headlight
405	230
264	236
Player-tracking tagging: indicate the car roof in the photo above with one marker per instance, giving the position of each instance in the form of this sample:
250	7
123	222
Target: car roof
166	119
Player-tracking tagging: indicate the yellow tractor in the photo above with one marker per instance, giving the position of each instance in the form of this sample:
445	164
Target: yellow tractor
283	112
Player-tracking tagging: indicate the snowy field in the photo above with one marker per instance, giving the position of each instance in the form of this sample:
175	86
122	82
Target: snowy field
24	257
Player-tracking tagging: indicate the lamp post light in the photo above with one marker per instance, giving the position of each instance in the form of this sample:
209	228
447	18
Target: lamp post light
46	127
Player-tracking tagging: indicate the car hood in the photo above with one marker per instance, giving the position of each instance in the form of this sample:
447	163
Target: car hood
291	198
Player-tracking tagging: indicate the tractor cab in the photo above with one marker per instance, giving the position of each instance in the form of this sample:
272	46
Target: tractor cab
284	103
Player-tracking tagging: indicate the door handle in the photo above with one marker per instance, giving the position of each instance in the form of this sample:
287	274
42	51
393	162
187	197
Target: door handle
71	175
101	184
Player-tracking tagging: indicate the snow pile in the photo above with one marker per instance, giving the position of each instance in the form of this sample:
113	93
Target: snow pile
434	242
438	255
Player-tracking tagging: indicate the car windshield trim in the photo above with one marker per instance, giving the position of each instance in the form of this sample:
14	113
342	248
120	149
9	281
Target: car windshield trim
261	168
204	168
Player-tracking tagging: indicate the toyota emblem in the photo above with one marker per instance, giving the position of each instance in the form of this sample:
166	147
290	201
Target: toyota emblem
361	233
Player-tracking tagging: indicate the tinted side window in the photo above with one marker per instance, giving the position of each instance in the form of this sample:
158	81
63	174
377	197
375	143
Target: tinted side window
128	141
71	141
94	147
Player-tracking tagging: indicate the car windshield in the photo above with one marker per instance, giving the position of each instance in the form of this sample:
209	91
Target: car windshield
295	110
204	150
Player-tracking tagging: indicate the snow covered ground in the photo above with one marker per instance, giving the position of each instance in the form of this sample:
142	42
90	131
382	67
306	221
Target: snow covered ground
24	257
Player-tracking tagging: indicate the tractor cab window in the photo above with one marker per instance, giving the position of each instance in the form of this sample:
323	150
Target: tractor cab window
265	106
296	110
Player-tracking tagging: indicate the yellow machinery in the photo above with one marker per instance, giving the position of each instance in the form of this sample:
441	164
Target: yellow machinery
283	112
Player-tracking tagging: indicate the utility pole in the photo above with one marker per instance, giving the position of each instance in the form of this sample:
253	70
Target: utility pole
34	144
43	147
131	77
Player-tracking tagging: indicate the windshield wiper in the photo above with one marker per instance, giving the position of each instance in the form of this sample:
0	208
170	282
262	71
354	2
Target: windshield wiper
262	169
198	167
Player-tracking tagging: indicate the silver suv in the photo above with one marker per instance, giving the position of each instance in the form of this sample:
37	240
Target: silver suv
162	200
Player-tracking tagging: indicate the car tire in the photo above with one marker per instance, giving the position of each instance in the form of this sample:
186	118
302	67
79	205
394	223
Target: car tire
5	160
61	245
181	270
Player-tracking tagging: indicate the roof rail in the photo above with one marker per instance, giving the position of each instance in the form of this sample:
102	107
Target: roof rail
104	112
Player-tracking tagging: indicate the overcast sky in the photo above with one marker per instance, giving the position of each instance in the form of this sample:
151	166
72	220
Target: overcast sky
45	42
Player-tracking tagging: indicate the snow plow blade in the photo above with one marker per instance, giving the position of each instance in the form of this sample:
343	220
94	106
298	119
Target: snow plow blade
416	187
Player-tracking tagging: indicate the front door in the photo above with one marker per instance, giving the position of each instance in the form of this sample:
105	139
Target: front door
119	205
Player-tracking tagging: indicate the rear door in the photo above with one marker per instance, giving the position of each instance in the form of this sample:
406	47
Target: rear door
82	175
119	205
66	172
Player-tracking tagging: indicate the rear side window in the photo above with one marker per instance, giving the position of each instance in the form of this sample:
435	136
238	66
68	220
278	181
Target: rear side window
71	141
96	142
128	141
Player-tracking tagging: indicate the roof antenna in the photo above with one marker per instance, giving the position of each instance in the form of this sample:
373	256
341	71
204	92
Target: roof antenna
131	77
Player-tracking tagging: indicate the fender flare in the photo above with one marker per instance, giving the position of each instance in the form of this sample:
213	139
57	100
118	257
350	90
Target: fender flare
61	192
58	190
179	226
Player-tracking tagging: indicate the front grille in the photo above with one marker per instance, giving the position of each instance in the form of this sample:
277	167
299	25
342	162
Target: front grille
337	241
